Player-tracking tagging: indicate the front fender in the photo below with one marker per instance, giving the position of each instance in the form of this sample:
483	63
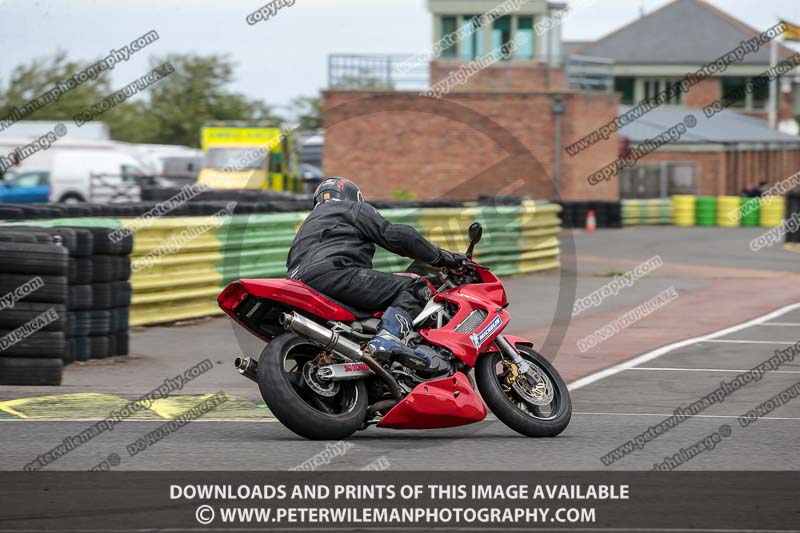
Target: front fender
513	340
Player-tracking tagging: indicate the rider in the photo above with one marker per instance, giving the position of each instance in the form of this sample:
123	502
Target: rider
332	253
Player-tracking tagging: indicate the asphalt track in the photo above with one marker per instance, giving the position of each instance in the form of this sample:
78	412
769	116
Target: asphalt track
610	407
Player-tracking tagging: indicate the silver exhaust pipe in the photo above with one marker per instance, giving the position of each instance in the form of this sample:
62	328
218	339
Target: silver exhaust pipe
247	367
329	339
344	372
333	342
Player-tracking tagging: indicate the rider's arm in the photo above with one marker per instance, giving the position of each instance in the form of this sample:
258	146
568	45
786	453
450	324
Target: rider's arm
400	239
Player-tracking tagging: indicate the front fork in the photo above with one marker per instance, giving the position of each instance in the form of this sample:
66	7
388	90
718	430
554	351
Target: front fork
509	351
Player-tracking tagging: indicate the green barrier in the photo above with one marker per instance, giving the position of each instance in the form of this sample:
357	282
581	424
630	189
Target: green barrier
647	212
179	265
706	210
751	212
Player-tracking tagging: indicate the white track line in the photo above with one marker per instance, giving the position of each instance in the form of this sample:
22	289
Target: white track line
741	341
662	415
649	356
795	324
671	369
162	421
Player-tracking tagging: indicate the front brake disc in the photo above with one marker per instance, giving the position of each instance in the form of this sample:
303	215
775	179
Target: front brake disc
534	387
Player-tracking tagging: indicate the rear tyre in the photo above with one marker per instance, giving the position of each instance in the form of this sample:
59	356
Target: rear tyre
530	414
295	404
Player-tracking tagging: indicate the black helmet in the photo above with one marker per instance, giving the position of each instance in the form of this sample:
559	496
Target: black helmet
337	189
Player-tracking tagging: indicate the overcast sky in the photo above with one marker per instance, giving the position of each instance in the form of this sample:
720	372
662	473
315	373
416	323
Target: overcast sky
285	56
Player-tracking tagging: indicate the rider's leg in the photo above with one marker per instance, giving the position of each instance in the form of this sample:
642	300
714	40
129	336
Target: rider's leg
402	297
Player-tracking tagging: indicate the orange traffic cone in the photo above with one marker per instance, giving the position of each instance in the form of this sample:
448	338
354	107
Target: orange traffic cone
591	221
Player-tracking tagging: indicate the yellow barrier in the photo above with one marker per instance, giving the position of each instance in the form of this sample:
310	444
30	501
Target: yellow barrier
173	269
539	244
683	210
728	210
772	213
179	265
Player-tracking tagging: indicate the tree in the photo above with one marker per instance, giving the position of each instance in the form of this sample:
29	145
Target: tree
195	93
308	111
28	82
171	111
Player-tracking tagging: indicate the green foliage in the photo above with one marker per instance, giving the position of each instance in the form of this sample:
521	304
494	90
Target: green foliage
404	195
28	82
309	112
172	111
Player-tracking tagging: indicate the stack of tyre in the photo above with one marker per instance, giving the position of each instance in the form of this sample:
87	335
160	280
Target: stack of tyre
101	304
34	269
792	211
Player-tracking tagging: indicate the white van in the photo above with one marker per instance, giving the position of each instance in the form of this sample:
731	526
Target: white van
100	176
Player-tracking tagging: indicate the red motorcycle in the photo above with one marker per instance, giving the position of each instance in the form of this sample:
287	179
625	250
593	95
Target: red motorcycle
317	380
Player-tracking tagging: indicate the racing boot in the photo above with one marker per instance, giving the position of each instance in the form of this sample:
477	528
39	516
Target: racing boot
387	344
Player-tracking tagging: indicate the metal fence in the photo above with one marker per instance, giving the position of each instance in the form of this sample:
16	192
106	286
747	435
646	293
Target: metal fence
377	72
659	180
589	73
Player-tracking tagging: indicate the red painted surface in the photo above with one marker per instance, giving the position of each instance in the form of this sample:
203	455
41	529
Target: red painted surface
441	403
297	294
489	295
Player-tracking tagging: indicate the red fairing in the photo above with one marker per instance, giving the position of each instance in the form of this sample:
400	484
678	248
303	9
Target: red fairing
441	403
489	296
297	294
513	340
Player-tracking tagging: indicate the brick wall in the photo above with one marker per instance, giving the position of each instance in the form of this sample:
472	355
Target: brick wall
709	90
703	93
465	144
501	76
727	172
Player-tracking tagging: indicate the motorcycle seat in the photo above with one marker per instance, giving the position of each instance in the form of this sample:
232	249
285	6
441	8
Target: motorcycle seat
360	314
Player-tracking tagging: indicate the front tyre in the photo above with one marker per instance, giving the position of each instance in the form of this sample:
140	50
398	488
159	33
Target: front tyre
315	411
536	404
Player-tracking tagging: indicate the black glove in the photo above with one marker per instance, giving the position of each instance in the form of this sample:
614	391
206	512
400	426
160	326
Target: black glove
451	260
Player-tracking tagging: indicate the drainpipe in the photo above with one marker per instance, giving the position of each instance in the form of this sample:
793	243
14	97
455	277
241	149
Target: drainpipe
558	110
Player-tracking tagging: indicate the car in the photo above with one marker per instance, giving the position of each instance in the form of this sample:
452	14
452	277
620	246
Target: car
31	187
96	176
312	177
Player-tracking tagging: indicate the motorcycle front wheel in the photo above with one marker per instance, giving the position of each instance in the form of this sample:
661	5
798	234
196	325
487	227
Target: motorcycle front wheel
536	404
310	408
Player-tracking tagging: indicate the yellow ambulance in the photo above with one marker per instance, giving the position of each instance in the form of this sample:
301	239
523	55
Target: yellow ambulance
241	155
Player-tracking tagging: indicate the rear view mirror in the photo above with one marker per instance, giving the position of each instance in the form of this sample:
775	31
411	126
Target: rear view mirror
475	232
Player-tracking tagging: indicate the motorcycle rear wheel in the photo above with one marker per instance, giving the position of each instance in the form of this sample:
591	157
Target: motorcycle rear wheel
299	407
531	415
